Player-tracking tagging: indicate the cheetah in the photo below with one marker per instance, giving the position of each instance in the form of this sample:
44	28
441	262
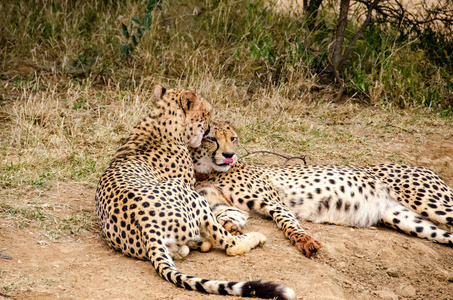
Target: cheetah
402	197
147	205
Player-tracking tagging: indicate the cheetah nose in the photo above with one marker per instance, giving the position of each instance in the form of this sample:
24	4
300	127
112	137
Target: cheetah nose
228	154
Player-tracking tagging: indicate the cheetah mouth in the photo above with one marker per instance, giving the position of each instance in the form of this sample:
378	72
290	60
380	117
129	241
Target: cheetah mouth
226	162
223	165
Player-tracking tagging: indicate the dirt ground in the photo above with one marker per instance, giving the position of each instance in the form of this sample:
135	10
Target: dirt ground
365	263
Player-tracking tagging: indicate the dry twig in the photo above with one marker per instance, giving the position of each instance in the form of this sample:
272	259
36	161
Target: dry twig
276	154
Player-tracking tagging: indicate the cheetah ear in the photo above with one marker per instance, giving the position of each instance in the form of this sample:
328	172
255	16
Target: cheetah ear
189	100
159	91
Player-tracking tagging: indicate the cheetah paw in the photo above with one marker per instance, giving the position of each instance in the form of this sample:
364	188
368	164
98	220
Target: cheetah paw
203	246
231	227
306	244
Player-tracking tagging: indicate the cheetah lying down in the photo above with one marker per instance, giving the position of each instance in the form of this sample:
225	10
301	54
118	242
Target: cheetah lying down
148	208
402	197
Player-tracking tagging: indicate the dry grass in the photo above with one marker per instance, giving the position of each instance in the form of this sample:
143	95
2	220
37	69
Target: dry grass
50	134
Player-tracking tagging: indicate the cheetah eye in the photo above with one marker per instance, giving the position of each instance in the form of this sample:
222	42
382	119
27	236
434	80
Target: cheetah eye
234	139
211	139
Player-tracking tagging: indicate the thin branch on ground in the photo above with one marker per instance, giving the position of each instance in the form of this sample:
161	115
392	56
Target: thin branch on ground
276	154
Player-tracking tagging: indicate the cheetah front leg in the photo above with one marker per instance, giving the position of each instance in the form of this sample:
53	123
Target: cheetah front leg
286	220
265	200
270	204
401	218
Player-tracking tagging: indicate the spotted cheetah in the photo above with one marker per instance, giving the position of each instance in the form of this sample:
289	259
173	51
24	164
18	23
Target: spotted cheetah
148	208
402	197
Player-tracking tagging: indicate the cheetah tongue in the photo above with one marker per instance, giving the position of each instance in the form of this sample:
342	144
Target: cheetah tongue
228	161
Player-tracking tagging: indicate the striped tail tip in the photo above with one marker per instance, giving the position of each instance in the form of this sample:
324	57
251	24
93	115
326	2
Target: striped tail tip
267	290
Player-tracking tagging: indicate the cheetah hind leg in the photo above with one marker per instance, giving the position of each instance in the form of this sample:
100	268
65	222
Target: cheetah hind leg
231	218
401	218
233	245
219	236
240	243
244	243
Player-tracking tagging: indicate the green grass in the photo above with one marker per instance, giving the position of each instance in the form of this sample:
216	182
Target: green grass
24	215
248	42
48	281
78	223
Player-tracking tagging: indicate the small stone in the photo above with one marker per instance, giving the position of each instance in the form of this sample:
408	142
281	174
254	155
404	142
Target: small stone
393	272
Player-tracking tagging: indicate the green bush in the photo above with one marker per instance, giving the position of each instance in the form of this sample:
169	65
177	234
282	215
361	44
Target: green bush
248	42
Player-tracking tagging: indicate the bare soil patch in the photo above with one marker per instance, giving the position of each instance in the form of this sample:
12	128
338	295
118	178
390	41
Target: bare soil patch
354	263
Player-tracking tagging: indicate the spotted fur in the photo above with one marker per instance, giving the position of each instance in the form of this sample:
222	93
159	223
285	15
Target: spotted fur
230	217
148	208
405	198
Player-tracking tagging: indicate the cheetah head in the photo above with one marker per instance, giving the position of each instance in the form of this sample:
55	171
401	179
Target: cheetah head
218	149
196	112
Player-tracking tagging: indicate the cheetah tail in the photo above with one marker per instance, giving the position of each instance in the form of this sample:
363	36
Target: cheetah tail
163	263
